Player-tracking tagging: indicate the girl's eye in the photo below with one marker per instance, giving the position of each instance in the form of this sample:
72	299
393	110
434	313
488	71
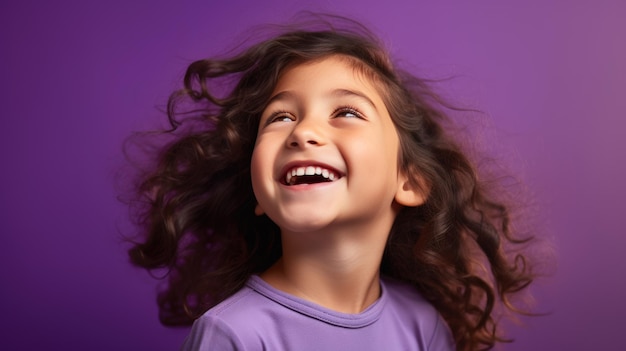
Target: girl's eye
348	112
280	116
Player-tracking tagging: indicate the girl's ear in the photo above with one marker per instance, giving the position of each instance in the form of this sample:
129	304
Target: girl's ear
410	193
258	210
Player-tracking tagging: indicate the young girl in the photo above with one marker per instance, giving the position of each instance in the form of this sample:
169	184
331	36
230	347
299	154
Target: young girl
312	200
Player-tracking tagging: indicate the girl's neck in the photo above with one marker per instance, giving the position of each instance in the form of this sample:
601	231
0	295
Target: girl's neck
337	271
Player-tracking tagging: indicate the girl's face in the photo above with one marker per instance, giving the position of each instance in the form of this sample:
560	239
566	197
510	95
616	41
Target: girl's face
326	154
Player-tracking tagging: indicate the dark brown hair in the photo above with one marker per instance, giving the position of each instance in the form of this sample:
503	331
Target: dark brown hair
197	206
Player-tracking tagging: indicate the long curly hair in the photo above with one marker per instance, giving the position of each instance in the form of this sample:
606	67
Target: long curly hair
196	204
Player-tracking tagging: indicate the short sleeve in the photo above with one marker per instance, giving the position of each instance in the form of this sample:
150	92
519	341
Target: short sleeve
211	333
442	339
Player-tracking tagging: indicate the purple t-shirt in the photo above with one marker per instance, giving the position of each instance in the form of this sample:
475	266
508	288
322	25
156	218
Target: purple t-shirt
259	317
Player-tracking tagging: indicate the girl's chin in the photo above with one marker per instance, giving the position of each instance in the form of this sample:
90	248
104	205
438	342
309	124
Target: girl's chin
304	218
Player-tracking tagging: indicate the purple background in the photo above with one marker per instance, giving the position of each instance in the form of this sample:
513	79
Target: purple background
78	76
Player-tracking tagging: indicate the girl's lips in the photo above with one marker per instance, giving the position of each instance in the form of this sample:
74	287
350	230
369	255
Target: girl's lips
314	172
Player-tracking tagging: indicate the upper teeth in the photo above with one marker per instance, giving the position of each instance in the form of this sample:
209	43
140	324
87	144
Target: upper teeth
310	170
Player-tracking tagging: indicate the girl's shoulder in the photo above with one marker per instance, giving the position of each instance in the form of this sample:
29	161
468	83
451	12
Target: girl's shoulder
227	325
406	304
400	294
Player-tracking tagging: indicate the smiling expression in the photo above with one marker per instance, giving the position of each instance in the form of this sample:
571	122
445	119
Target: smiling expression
326	153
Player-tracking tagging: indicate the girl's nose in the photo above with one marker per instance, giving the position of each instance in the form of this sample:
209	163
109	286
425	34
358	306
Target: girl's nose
296	144
305	134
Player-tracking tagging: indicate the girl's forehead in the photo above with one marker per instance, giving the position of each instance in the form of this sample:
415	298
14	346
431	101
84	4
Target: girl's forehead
340	68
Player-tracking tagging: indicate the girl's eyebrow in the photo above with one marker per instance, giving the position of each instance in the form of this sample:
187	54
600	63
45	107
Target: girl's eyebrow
290	95
357	94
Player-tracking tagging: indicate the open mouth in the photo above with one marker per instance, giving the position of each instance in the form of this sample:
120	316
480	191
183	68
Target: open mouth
309	175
